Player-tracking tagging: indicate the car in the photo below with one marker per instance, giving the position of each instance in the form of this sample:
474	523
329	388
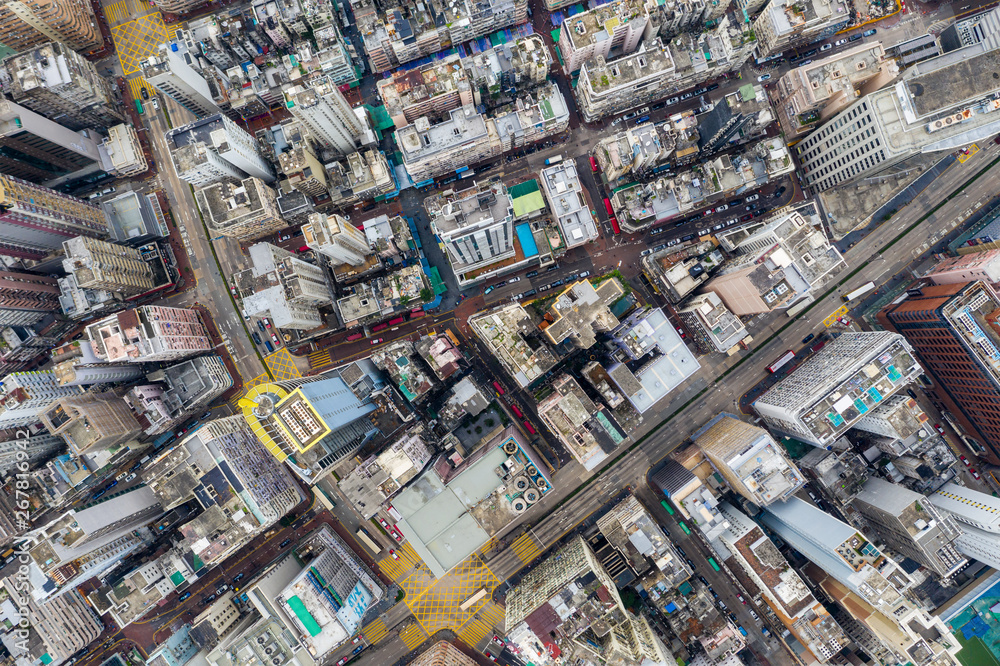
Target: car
731	222
735	202
753	197
687	96
840	42
687	238
513	280
136	466
672	243
531	274
99	494
342	661
714	593
593	165
552	268
714	86
144	93
722	605
356	640
746	217
722	208
284	237
585	274
718	226
681	551
274	338
530	292
375	341
937	426
111	485
809	337
809	54
758	213
732	617
238	577
284	543
869	33
708	211
492	658
701	91
396	534
965	461
807	62
129	477
704	232
826	47
778	192
260	325
763	77
544	287
753	614
752	207
489	289
703	579
156	103
185	596
975	474
256	337
209	599
267	322
222	589
854	38
381	521
121	476
615	121
660	247
742	600
673	100
689	562
499	641
232	290
557	283
394	555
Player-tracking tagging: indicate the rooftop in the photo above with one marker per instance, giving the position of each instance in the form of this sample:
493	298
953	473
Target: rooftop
580	311
511	336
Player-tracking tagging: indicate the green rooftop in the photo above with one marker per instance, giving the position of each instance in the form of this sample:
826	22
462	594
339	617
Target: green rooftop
308	621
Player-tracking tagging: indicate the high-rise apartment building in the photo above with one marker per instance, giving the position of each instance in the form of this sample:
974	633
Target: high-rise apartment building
23	395
829	392
954	330
937	106
337	239
910	525
325	112
35	219
785	24
978	517
869	585
125	152
173	74
91	422
97	264
573	578
781	587
72	22
30	450
748	458
40	150
65	623
25	298
965	268
214	149
561	184
315	422
76	364
149	333
246	210
283	287
62	86
613	29
476	225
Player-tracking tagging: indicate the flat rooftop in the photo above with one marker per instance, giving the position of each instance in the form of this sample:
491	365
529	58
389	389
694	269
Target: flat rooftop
953	79
674	364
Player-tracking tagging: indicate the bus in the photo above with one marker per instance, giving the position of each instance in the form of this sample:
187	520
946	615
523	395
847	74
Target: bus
666	507
419	312
473	600
517	412
138	107
530	428
713	563
499	388
859	292
355	336
614	225
781	362
379	327
684	527
323	498
396	322
367	540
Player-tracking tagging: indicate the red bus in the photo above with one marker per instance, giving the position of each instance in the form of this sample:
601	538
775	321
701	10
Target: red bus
607	207
593	165
499	388
379	327
783	360
419	312
529	427
396	321
614	226
355	336
517	412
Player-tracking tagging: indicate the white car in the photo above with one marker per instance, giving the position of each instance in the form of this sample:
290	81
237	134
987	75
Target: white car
764	77
722	208
513	279
753	197
156	103
840	42
826	47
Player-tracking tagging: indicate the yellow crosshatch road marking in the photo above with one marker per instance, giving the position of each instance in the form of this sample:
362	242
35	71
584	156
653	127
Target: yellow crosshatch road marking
374	631
413	636
525	548
320	358
282	365
832	319
973	149
137	40
256	381
439	606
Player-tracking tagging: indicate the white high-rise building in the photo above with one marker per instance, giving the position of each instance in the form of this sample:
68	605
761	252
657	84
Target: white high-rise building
284	288
172	74
148	334
336	238
27	449
831	391
937	106
865	576
214	149
24	394
324	110
476	226
978	518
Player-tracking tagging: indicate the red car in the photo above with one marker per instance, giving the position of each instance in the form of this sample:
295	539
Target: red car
680	332
593	165
394	555
382	522
267	322
342	661
376	341
396	534
975	474
742	600
937	426
965	460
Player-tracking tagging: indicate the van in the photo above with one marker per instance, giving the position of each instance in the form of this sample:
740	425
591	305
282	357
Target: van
646	253
270	347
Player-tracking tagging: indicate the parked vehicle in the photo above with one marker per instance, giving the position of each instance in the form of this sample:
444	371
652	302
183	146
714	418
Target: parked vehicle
184	597
869	33
764	77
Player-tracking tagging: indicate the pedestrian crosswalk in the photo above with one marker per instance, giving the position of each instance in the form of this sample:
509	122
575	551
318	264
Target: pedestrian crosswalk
525	548
137	84
319	359
483	624
399	569
412	636
117	13
374	631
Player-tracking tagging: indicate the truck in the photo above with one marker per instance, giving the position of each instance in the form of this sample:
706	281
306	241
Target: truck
859	292
555	159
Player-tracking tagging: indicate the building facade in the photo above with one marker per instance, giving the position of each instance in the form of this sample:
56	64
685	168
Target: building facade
25	298
97	264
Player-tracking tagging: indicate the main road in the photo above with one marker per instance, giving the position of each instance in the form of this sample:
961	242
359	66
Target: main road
711	391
